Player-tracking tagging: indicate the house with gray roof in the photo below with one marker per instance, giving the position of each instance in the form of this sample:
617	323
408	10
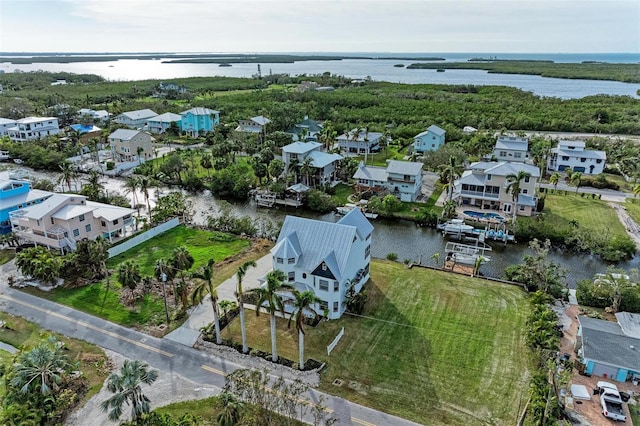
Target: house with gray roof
161	123
330	259
400	178
135	119
511	148
573	155
429	140
485	185
324	164
306	131
360	141
253	125
610	349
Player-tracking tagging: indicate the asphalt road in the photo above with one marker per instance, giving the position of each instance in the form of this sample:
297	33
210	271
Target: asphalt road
163	354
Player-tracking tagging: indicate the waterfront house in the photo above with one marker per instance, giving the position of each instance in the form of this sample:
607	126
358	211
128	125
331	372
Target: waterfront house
511	148
306	131
125	143
573	155
5	125
360	141
14	195
33	128
484	185
253	125
330	259
135	119
400	178
610	349
161	123
324	164
100	115
429	140
63	219
198	121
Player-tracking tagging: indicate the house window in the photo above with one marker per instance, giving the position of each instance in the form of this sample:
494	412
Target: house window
521	208
291	260
336	286
115	222
292	276
525	191
324	306
52	222
81	217
517	155
488	177
88	228
103	223
336	306
503	153
324	266
324	285
583	160
76	232
526	179
565	158
279	260
304	275
367	251
598	161
38	222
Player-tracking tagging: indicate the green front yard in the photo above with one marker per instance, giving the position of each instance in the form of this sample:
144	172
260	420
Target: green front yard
433	347
593	214
149	309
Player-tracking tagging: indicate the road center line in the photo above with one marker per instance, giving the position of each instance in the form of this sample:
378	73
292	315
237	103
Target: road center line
89	326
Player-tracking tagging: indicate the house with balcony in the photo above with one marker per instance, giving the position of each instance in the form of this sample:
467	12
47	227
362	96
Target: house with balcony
609	349
360	141
324	165
161	123
14	195
33	128
131	145
330	259
199	121
573	155
253	125
306	131
135	119
5	125
101	115
429	140
61	220
400	178
511	148
484	185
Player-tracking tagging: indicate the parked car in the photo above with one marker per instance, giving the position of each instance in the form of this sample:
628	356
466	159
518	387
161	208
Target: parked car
611	402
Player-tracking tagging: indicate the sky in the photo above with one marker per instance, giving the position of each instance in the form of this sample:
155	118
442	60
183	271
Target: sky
536	26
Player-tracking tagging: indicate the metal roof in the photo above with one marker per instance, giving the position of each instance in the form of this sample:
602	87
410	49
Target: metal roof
109	212
71	210
139	114
49	205
505	168
587	153
167	117
124	134
604	341
629	323
378	174
526	200
301	147
200	111
261	120
404	167
21	199
357	219
321	159
512	145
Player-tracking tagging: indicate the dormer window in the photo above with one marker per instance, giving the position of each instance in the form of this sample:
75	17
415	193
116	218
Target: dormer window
291	260
279	260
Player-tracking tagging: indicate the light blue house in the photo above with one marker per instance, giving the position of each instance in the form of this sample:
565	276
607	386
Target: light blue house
198	121
429	140
14	195
610	349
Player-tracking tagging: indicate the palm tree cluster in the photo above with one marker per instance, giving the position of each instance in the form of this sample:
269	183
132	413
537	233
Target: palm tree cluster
126	388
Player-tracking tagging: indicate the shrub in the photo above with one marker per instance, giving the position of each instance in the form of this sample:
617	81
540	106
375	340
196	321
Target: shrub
319	201
392	256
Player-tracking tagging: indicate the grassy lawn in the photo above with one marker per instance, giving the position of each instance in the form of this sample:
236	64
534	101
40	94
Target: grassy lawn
149	310
341	197
24	334
595	215
6	255
433	346
633	208
206	408
391	152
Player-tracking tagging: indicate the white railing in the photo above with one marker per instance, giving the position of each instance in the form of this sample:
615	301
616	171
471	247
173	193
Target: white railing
333	344
140	238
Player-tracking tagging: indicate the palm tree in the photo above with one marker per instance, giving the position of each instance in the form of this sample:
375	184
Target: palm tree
555	179
131	185
576	178
129	275
206	162
231	409
201	290
93	188
69	174
268	294
41	369
448	174
144	184
302	302
127	390
306	169
612	285
163	272
139	151
242	271
514	187
182	261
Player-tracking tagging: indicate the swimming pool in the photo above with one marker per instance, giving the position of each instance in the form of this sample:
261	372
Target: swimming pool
488	215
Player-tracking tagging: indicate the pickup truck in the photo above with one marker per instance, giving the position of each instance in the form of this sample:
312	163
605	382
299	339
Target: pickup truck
611	402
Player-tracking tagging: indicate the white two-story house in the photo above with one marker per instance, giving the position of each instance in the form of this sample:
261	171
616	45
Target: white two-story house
573	155
327	258
359	141
400	178
484	185
511	148
32	128
324	164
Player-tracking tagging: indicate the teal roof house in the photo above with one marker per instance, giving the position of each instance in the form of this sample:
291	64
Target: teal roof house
429	140
14	195
198	121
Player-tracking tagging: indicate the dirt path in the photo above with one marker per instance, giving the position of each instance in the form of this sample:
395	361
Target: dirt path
632	228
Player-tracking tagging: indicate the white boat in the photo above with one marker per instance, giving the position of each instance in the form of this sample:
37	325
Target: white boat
469	259
455	226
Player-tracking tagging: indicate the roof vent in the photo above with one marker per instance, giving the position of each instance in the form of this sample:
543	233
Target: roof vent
633	348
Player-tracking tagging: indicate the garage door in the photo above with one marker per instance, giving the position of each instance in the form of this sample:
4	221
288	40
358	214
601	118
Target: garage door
601	370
